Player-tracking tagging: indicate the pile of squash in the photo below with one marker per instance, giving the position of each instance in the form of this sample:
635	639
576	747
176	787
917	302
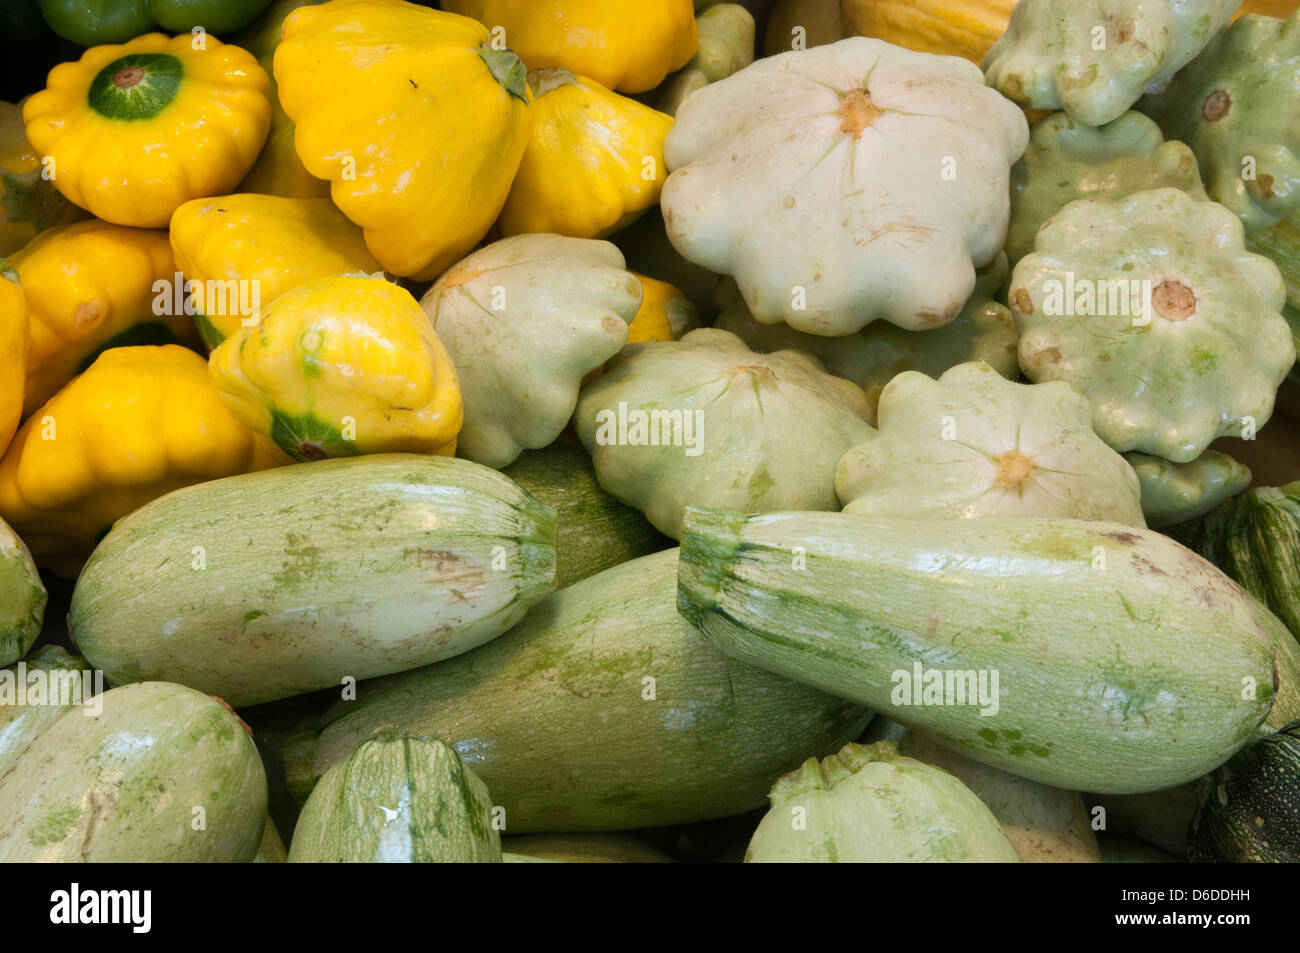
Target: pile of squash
563	422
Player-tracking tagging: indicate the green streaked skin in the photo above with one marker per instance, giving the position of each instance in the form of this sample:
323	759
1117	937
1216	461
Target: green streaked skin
208	332
123	786
1126	663
96	22
20	724
402	559
398	798
271	848
1281	244
869	804
22	597
136	87
305	437
556	718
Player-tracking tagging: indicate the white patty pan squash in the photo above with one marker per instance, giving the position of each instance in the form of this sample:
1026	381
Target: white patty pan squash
1095	58
1152	307
974	444
845	184
706	421
983	331
1173	493
1238	106
1067	160
525	320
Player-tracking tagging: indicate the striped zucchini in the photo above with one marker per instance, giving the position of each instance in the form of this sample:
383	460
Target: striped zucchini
1074	653
276	583
397	799
595	530
52	681
602	710
22	597
162	774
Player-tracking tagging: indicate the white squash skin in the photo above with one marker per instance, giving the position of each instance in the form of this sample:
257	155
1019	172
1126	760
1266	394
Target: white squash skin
770	187
1123	679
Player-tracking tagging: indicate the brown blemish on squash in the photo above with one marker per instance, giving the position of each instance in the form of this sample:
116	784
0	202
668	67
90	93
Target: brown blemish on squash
129	77
311	451
789	201
1048	355
1126	32
1021	302
1123	537
1216	106
1266	186
88	312
1013	86
1173	301
857	113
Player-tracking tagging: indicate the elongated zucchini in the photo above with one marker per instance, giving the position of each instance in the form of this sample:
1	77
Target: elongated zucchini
33	697
397	799
1045	825
1073	653
602	710
22	597
275	583
271	849
161	774
595	530
585	849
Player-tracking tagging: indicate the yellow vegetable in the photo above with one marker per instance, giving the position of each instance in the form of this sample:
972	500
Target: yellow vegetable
13	351
91	286
141	422
29	202
135	130
340	366
630	47
416	120
665	314
595	161
965	28
271	243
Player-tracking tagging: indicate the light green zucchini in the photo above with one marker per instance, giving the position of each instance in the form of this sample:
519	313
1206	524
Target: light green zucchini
871	804
595	531
1045	825
272	584
22	597
52	681
397	799
586	848
271	849
162	774
1087	654
602	710
509	858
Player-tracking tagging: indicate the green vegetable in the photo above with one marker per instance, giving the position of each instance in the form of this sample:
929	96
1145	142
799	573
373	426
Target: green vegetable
162	774
870	804
601	711
53	681
398	799
95	22
295	578
22	597
585	849
726	46
1248	808
271	849
1087	654
595	531
1173	493
1281	244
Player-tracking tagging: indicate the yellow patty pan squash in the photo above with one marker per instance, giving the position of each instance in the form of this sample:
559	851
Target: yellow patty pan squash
136	129
29	202
594	163
416	120
13	351
141	422
92	286
665	314
272	243
341	366
628	47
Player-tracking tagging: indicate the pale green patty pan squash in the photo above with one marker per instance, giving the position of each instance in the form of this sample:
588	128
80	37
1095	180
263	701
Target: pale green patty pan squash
1067	160
1191	345
22	597
974	444
1281	244
845	184
1237	105
525	320
159	773
707	421
1095	58
1173	493
983	331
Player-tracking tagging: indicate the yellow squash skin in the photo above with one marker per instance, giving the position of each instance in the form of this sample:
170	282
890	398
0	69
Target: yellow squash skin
664	315
278	243
88	285
630	47
137	129
341	366
29	202
14	341
594	163
416	121
141	422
